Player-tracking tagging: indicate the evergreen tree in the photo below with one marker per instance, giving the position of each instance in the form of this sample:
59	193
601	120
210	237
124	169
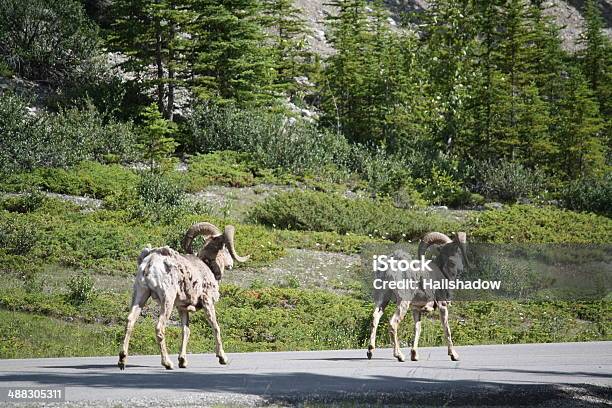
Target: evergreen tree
373	89
155	141
511	119
229	58
148	33
581	150
344	80
596	60
287	33
450	35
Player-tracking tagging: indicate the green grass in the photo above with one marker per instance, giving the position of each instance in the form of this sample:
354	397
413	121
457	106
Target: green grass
277	319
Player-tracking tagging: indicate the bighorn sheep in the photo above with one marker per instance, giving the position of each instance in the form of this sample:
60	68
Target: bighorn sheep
187	282
447	265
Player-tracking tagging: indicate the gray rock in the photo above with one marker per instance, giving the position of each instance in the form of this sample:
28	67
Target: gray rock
494	206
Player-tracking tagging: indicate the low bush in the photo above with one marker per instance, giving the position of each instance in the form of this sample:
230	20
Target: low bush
281	319
80	289
589	194
524	223
227	168
507	181
32	140
160	198
108	241
275	140
314	211
440	187
17	235
26	203
85	179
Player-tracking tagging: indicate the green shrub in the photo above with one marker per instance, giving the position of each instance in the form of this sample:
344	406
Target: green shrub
408	198
57	140
274	139
17	235
31	201
80	289
508	181
109	241
464	198
303	210
86	179
160	198
524	223
589	194
223	168
46	40
440	187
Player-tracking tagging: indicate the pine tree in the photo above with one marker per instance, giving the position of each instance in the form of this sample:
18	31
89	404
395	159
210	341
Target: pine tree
581	150
596	60
511	118
343	86
373	89
450	35
149	33
229	58
287	34
155	141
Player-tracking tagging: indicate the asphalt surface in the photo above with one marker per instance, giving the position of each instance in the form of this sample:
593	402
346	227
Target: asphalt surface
546	375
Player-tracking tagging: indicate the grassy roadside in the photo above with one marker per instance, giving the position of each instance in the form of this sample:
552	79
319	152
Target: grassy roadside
46	242
280	319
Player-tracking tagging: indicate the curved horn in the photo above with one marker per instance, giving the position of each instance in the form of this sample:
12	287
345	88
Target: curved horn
432	238
461	237
229	240
462	240
201	228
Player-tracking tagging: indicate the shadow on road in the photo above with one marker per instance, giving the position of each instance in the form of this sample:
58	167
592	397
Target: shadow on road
293	387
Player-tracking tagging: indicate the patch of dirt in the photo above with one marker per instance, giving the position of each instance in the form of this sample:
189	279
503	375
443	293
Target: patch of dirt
302	268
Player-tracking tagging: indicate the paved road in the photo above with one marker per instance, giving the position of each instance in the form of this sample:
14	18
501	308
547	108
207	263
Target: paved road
546	375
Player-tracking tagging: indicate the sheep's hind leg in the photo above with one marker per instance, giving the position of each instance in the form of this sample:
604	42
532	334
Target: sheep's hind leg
160	329
447	333
185	324
376	315
396	319
414	353
138	301
209	309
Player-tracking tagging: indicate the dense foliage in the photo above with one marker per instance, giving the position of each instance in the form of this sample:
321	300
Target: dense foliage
314	211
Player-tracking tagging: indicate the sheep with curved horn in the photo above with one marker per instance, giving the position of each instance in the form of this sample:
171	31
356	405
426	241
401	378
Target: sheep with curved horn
187	282
448	263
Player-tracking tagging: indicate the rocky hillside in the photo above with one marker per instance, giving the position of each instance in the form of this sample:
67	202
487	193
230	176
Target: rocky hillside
567	13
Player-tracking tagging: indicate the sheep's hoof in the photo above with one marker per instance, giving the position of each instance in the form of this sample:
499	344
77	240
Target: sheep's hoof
454	357
121	362
400	358
168	366
182	362
222	360
369	355
414	356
